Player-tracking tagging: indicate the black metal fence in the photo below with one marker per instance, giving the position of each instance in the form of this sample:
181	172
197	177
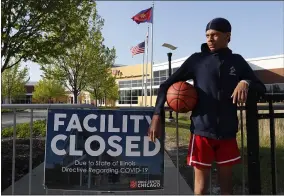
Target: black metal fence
255	104
252	108
275	102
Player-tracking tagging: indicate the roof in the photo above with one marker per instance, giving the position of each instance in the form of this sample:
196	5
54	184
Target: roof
31	83
118	65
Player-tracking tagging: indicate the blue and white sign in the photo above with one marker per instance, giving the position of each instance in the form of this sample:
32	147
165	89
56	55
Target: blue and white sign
102	150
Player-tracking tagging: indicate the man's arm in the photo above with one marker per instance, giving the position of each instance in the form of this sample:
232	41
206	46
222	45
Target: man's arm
184	73
248	75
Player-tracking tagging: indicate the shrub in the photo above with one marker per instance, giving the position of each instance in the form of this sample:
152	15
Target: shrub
9	110
23	130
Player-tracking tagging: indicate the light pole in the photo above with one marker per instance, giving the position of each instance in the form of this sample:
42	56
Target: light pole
171	118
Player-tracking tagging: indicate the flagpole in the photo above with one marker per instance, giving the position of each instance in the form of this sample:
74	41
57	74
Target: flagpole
143	73
146	84
152	55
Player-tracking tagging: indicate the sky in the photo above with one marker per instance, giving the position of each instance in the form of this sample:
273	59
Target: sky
257	28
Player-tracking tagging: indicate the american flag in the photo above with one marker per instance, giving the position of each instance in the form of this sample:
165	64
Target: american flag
140	48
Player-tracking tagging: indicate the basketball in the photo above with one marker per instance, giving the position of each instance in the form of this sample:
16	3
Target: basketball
181	97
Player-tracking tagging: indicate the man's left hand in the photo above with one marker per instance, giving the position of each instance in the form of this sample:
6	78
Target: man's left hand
240	93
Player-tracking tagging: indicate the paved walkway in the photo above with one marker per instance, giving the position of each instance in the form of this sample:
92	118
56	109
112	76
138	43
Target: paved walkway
22	186
7	119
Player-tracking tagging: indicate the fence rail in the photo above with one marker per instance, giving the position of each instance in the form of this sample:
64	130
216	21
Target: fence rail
252	117
276	106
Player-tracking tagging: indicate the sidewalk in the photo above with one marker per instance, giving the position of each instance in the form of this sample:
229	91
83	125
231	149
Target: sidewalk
22	186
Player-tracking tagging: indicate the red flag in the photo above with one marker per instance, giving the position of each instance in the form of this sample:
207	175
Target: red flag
143	16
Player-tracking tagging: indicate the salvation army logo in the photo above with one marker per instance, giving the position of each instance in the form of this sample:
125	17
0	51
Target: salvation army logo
133	184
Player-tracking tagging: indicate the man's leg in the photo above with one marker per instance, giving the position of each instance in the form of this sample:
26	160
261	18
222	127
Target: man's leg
227	155
225	179
201	180
200	156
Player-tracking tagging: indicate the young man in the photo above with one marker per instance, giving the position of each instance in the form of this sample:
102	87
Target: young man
222	80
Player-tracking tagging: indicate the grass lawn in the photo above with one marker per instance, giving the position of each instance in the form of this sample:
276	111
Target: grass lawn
10	111
264	140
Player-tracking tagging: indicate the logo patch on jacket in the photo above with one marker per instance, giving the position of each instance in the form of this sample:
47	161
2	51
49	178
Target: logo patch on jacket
232	71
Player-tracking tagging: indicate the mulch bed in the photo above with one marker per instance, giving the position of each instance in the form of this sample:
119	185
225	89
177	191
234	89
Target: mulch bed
22	158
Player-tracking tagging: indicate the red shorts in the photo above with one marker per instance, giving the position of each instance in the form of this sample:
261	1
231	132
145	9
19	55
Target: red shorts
203	151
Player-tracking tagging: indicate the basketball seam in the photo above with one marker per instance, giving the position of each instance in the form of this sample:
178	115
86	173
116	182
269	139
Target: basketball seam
184	102
177	99
170	101
174	87
180	86
181	89
182	95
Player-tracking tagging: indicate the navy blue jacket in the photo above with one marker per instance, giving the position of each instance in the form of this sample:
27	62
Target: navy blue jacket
215	76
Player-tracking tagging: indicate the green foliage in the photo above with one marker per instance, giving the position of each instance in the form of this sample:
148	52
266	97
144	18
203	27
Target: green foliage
37	29
101	83
110	88
9	110
23	130
83	65
47	90
13	82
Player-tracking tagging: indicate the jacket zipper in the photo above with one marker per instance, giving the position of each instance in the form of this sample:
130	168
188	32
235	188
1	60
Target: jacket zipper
219	88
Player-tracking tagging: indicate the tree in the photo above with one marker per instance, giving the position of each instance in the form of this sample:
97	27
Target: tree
77	67
100	80
47	91
102	85
97	79
13	83
37	29
110	89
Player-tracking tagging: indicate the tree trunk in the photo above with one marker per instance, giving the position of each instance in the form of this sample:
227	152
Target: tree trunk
6	101
75	100
9	99
96	99
9	92
105	100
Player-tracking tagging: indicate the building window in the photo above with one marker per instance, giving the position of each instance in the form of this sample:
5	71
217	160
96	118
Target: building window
277	88
130	83
155	91
174	70
136	83
158	78
25	99
129	96
124	84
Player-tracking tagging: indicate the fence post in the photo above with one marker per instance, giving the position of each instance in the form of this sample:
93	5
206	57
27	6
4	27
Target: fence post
254	184
272	147
163	136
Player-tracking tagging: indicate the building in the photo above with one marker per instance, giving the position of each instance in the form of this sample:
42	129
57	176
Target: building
83	98
269	69
129	78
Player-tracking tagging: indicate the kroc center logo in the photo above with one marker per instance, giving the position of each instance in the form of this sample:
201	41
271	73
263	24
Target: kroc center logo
145	184
133	184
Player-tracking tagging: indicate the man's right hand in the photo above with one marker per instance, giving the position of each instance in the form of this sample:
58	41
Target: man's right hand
154	130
